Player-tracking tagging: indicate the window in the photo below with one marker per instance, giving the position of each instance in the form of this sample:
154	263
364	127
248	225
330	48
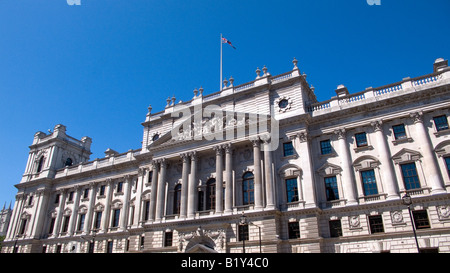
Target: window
109	248
248	189
293	230
201	194
335	228
177	199
98	220
116	217
150	177
243	232
211	194
410	177
447	163
361	139
288	149
58	248
57	196
399	131
70	196
155	137
52	225
376	224
331	188
40	164
23	226
91	247
65	223
68	162
325	147
86	193
30	200
119	187
81	222
283	103
291	190
429	250
146	210
142	242
168	238
441	123
421	219
102	190
369	182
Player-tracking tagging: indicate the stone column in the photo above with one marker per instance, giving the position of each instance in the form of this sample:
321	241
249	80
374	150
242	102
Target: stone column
90	212
74	216
184	185
192	186
228	179
153	193
219	179
307	177
62	201
126	203
257	173
348	180
388	173
12	229
430	165
161	190
41	212
107	210
270	194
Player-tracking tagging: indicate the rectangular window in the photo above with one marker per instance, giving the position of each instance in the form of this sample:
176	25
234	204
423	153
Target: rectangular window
150	177
447	163
243	232
116	217
98	220
200	200
421	219
361	139
86	193
58	248
65	223
71	196
23	226
331	188
369	182
291	190
335	228
81	222
109	247
168	236
399	131
147	210
294	230
142	242
119	187
325	147
102	190
376	224
410	177
91	247
288	149
52	225
57	198
441	123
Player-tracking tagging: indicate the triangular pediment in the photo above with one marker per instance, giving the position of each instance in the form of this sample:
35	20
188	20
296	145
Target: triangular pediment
406	155
329	169
202	126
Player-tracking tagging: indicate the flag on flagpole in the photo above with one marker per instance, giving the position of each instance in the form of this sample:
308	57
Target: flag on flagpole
225	41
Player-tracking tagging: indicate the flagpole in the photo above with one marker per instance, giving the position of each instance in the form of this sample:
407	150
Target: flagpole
221	61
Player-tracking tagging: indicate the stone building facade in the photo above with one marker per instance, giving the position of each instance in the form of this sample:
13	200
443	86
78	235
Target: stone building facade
309	176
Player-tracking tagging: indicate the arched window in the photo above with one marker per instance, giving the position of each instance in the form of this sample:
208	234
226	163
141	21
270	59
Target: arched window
248	188
69	162
211	194
177	199
40	164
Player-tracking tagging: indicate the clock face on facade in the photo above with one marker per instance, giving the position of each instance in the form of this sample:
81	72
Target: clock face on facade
283	103
155	137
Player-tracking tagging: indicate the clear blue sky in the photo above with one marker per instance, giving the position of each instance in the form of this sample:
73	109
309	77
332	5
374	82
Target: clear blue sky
96	67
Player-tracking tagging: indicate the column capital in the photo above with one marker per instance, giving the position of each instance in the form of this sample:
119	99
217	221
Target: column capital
255	141
303	136
417	116
340	133
193	156
228	148
218	149
377	125
184	157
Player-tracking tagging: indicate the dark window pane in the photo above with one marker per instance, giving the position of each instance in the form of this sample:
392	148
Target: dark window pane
376	224
421	219
410	177
399	131
292	190
248	189
288	149
331	188
369	182
447	163
441	123
325	147
294	230
168	239
243	232
335	228
361	139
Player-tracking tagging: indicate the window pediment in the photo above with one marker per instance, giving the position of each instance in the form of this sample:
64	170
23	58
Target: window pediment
365	162
405	155
329	169
443	148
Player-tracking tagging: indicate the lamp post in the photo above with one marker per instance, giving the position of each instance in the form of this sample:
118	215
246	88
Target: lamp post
407	200
244	222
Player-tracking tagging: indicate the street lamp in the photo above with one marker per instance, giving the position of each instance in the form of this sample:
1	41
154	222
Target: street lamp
407	201
244	222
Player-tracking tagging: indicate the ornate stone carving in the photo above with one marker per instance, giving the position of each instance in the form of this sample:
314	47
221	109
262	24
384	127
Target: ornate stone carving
377	125
340	133
397	217
443	212
354	222
417	116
